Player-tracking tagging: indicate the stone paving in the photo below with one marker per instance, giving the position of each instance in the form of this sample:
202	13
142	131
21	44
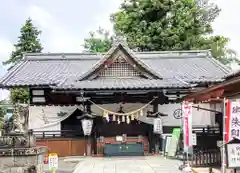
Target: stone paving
63	166
150	164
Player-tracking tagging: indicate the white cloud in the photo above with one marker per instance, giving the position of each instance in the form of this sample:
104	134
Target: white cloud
4	94
55	37
6	49
227	23
103	19
43	18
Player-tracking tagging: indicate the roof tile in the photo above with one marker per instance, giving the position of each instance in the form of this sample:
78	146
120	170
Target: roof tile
123	83
55	69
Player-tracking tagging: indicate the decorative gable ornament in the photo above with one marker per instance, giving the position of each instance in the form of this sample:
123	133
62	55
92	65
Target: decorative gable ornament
119	40
118	67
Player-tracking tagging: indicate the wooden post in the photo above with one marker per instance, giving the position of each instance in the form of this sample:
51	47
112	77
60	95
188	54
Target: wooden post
156	136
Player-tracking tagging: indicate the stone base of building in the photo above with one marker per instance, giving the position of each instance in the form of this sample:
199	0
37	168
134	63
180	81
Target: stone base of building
22	160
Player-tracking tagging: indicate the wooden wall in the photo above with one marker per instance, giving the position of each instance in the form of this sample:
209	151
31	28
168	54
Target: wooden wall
64	146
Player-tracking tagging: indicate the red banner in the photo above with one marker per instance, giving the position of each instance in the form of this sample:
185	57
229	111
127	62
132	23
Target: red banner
227	120
187	126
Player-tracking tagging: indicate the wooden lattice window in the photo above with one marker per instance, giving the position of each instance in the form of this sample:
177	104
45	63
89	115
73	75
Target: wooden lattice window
119	68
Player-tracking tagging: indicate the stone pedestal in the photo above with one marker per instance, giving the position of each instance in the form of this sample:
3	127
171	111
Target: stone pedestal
21	160
89	150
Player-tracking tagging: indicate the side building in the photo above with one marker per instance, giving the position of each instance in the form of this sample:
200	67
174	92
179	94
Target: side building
122	90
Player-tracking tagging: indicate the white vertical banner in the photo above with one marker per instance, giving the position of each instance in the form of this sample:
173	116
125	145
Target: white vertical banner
234	121
157	126
187	125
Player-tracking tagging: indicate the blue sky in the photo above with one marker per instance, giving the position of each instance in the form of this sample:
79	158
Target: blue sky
65	24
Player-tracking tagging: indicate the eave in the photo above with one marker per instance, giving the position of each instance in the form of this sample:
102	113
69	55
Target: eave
216	91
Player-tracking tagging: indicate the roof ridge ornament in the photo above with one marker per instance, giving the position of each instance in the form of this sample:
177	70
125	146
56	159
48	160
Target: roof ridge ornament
119	39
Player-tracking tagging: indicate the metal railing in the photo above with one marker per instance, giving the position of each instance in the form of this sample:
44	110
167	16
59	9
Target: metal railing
196	129
208	130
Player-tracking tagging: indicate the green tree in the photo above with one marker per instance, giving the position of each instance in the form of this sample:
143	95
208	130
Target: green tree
171	25
28	42
158	25
2	114
99	41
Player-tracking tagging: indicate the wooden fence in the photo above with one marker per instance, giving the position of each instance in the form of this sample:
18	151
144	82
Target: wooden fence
206	153
64	143
206	158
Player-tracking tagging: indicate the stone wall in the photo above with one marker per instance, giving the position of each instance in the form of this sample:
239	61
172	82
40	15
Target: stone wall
20	164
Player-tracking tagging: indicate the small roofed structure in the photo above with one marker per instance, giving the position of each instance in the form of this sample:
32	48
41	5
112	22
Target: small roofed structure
228	88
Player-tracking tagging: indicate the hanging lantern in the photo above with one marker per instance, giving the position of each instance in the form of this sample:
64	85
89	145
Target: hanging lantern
118	120
141	113
87	126
132	117
114	117
123	118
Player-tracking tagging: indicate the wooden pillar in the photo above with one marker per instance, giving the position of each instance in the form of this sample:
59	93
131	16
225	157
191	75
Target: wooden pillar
156	138
91	139
150	137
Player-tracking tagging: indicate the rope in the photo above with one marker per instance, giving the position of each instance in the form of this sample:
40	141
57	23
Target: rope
122	114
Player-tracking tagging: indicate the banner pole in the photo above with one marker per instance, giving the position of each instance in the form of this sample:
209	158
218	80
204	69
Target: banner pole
224	132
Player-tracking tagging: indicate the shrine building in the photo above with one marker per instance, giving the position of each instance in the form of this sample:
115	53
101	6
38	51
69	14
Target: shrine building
122	91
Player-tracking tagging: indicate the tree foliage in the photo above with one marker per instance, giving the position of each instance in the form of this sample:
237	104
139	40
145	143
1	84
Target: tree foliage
19	95
28	42
3	112
151	25
99	41
158	25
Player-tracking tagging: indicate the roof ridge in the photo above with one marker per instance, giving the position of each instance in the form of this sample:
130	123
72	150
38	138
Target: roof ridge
102	53
62	53
99	55
174	51
62	56
223	67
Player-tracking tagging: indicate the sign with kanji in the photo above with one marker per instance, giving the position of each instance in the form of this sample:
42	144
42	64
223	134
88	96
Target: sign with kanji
187	124
233	155
157	126
232	120
194	139
235	120
53	162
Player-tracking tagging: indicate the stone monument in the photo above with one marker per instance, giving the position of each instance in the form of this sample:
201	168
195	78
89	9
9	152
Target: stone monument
18	150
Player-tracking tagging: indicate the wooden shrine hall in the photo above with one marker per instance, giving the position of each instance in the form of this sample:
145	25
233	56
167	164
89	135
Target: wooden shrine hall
122	91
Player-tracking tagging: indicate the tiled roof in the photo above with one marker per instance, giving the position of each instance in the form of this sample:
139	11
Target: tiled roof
232	74
123	83
53	69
